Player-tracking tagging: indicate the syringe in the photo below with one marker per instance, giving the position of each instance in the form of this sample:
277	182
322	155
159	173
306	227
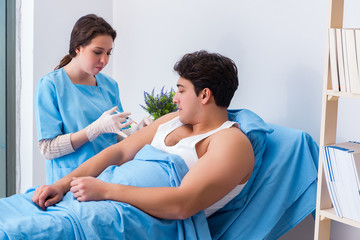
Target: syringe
127	118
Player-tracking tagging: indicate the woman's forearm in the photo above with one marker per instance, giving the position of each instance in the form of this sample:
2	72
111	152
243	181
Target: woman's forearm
62	145
79	138
56	147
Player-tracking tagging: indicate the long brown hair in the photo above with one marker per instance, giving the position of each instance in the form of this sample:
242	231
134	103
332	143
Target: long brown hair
85	29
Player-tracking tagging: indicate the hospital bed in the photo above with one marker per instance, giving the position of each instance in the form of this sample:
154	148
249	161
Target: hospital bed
280	193
282	189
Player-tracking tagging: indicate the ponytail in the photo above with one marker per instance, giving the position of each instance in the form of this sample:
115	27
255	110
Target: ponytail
64	61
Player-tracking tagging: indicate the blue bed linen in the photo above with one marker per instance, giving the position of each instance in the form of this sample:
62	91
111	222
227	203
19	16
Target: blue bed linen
281	195
20	218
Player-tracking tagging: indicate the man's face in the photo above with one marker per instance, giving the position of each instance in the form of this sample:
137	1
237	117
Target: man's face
187	101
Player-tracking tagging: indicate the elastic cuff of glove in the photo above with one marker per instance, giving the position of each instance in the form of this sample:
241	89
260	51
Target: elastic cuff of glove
91	133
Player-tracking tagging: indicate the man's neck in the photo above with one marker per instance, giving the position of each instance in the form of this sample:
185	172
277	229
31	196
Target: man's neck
210	119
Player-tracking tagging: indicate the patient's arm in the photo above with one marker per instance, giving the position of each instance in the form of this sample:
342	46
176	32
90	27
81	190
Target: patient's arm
117	154
228	162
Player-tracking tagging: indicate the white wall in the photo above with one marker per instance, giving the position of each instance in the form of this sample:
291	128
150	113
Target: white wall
25	89
278	47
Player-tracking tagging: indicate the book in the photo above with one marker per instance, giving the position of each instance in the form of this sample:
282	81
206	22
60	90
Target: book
357	44
345	59
345	184
342	171
329	176
340	58
352	65
354	163
339	181
333	60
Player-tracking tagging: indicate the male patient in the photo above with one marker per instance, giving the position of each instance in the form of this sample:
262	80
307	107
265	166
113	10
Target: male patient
219	156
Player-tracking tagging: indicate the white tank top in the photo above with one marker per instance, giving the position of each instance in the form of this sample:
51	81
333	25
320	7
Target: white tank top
186	149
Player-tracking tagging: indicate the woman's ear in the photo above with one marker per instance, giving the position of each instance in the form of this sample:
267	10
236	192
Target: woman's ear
77	50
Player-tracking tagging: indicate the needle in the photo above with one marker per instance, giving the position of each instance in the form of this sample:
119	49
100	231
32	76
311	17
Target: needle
128	117
131	120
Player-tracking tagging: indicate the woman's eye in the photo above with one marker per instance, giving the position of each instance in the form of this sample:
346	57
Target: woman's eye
97	53
108	53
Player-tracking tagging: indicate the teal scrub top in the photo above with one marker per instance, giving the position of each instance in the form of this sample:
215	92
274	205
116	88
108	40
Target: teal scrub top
62	107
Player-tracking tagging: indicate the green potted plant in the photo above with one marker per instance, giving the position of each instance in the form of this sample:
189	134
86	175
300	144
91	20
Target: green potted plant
159	104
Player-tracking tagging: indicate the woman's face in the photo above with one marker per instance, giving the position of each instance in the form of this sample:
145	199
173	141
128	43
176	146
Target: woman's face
94	56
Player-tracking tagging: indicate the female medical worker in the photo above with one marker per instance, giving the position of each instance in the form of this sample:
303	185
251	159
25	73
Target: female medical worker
75	105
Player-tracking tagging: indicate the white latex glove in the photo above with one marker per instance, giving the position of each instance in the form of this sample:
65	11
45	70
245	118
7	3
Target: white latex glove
108	123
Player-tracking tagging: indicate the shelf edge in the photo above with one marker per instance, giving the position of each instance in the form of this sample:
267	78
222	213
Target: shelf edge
330	214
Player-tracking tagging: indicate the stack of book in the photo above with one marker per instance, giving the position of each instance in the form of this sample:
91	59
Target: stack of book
342	170
344	49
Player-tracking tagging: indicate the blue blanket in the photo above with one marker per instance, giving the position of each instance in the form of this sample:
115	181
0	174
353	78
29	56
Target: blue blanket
279	194
20	218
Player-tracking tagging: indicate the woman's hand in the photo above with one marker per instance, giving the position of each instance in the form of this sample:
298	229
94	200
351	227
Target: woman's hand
47	195
108	122
88	189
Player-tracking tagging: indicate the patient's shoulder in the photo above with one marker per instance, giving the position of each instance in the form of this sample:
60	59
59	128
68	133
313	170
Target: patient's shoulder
231	140
166	118
230	149
233	132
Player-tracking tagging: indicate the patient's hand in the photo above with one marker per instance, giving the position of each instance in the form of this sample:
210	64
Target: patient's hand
146	121
47	195
88	189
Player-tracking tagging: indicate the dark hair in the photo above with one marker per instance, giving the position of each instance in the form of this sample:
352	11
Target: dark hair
210	70
85	29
